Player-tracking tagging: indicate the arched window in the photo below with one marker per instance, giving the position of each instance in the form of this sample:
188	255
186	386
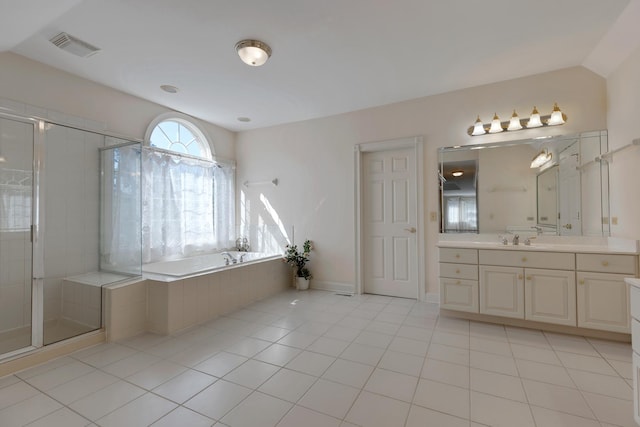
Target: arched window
188	197
174	133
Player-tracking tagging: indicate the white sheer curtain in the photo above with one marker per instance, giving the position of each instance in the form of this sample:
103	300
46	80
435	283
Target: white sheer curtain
187	206
460	214
121	209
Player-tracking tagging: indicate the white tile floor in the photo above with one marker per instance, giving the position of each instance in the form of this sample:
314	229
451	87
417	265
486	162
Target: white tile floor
316	359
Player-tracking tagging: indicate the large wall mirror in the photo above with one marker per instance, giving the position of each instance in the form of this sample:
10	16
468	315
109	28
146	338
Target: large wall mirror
554	185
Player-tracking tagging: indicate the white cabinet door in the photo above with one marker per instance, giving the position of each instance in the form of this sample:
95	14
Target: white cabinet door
636	384
502	291
550	296
603	302
459	294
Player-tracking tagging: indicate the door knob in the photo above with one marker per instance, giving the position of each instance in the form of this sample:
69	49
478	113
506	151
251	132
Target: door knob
411	230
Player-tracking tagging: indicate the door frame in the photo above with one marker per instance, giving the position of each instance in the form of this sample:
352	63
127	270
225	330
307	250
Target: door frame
415	142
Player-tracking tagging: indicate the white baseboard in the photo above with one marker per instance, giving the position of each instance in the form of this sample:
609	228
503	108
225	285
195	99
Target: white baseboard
432	297
332	286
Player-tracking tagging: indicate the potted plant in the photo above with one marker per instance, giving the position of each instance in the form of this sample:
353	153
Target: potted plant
298	260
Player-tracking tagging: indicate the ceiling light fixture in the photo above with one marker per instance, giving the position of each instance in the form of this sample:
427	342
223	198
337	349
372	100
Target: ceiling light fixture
253	52
540	159
244	119
457	173
557	117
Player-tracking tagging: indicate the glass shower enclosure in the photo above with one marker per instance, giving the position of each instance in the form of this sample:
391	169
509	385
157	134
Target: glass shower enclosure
69	225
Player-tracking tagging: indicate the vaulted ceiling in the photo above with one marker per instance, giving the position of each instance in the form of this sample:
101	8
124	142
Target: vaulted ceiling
329	57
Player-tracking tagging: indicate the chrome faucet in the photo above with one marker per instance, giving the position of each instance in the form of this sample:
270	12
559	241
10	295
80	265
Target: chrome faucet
516	239
242	257
538	229
229	258
504	240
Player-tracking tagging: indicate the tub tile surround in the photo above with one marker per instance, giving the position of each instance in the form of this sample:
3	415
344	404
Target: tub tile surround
241	369
166	307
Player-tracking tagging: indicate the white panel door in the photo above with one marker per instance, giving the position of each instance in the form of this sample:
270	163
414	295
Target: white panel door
390	261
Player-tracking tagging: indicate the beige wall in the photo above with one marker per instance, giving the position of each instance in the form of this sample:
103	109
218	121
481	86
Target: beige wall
623	101
314	160
36	84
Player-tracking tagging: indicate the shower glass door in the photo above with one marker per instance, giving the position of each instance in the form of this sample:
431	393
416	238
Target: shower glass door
16	196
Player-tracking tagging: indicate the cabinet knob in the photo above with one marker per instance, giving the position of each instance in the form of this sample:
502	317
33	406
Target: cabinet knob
520	276
524	259
528	277
581	282
457	255
605	263
458	271
458	282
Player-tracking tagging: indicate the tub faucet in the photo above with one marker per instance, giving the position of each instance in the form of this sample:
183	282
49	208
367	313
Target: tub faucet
516	239
229	258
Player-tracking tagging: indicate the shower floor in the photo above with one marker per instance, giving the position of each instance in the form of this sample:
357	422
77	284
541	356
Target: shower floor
61	329
15	339
54	331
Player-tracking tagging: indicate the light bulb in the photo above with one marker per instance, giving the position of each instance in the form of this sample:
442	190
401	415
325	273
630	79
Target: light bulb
496	126
534	120
556	116
478	128
514	123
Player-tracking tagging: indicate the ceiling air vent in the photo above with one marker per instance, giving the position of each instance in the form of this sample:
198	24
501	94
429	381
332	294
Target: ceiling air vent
73	45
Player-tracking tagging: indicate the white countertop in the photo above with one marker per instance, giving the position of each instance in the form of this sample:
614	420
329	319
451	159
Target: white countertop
611	245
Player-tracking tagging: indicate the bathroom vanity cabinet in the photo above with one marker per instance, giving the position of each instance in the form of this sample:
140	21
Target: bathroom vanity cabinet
556	286
634	285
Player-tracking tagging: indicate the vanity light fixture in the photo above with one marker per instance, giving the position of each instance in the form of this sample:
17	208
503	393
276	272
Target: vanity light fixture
457	173
478	128
514	123
496	126
541	159
534	120
557	117
253	52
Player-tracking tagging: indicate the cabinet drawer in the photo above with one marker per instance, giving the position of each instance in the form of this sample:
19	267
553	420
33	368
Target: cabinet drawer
551	260
459	271
603	263
463	256
635	335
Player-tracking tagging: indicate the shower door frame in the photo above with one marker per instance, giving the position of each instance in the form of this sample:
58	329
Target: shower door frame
38	223
36	267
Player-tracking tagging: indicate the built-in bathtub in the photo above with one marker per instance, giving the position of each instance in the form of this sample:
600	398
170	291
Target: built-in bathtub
183	293
168	271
